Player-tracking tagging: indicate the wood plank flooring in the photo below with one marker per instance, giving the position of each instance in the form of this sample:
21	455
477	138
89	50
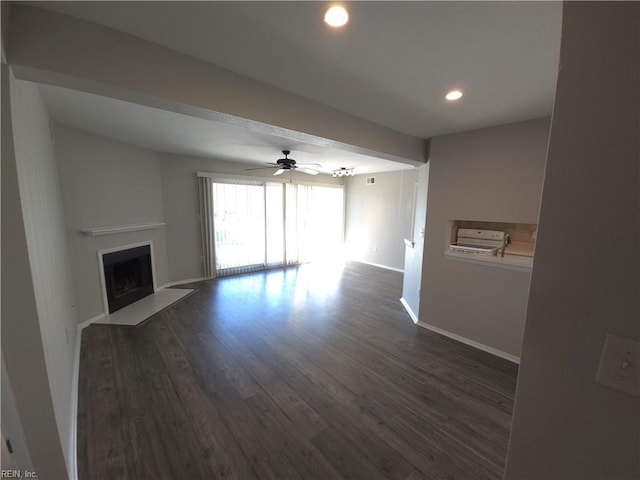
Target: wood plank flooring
314	372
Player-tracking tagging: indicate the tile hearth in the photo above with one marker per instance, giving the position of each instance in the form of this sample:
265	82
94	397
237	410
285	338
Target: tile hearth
138	312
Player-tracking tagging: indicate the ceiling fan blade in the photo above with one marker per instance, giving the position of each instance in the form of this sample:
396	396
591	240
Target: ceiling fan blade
258	168
279	172
307	170
269	165
309	165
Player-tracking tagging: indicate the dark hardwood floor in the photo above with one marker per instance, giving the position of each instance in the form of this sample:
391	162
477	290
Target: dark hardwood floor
310	372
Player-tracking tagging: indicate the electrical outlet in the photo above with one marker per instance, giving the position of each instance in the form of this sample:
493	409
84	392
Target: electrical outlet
375	249
620	364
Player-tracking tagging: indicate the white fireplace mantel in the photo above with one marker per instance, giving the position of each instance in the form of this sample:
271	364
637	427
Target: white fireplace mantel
94	231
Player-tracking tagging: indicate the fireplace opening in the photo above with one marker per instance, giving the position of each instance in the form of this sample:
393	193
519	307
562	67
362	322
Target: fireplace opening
128	276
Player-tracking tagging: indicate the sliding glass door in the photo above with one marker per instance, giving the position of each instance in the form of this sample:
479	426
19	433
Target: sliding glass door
238	219
314	223
261	225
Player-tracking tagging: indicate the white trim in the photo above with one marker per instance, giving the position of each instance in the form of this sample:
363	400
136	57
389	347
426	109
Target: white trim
414	206
73	421
86	323
75	380
182	282
105	300
377	265
92	232
472	343
408	309
409	243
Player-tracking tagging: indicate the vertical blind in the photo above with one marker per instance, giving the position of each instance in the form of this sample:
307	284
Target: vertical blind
252	225
205	189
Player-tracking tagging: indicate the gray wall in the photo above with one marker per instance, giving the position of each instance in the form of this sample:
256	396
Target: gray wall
20	458
38	318
491	174
565	425
133	69
181	207
5	13
378	217
107	183
413	258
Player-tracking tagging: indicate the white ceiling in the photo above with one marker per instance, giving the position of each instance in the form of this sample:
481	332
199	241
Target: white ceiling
392	65
169	132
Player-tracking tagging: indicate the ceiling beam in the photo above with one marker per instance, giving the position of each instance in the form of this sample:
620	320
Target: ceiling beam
56	49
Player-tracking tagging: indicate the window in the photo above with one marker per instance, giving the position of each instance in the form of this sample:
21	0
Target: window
258	225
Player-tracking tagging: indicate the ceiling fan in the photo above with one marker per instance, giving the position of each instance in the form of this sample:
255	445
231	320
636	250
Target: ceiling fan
286	163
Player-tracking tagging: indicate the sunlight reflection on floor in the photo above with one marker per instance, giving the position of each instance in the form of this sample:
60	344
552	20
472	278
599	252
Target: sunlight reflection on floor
320	280
302	292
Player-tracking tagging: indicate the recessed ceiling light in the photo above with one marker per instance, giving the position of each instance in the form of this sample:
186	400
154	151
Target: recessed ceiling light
336	16
453	95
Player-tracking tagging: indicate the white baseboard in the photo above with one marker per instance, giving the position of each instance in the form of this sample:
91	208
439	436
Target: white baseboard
180	282
378	265
472	343
86	323
73	421
408	309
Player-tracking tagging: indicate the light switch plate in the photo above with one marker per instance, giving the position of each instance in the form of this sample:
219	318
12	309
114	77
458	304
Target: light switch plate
620	364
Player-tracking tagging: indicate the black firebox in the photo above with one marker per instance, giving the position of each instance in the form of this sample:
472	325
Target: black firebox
128	276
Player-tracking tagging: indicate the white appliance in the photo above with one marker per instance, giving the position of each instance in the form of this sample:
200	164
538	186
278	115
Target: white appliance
480	242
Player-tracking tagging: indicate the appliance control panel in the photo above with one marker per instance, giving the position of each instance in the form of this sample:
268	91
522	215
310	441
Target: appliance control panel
480	234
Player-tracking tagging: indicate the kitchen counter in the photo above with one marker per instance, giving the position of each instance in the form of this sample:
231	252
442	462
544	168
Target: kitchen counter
519	261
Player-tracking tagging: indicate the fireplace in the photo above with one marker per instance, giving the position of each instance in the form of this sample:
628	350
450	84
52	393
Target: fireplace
128	276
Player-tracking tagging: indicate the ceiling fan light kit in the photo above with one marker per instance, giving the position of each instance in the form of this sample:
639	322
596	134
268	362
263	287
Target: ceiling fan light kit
343	172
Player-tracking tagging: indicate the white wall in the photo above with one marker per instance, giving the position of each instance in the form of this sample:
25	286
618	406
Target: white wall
565	425
107	183
379	217
181	207
413	258
491	174
38	313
